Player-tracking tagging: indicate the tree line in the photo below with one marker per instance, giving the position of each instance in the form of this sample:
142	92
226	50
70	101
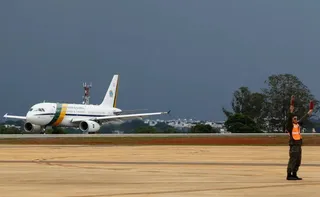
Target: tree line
266	110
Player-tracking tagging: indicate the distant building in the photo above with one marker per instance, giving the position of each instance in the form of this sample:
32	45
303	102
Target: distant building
186	124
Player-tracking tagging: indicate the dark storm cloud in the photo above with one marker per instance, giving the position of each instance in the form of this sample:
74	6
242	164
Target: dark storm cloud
188	56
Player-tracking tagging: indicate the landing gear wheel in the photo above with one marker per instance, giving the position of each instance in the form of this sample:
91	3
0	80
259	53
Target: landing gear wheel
43	131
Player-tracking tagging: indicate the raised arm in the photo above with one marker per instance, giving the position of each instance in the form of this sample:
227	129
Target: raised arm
290	115
292	104
311	105
291	109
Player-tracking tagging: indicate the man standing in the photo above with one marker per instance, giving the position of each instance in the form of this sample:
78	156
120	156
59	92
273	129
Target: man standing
295	142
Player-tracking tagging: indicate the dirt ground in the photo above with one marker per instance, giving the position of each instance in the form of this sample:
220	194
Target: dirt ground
154	171
310	140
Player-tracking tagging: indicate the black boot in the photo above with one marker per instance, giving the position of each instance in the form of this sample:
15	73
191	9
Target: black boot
295	176
290	177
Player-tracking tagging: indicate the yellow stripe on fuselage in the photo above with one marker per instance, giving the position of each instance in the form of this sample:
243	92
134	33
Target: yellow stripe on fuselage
61	115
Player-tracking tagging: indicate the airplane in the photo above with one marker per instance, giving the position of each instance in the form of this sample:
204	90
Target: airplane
87	117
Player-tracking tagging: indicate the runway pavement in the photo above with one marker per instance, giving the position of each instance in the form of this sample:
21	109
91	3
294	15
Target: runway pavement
17	136
98	171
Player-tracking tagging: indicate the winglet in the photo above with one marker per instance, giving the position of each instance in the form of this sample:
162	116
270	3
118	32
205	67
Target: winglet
169	112
5	116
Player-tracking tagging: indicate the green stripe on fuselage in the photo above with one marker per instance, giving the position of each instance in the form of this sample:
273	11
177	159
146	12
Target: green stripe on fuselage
56	115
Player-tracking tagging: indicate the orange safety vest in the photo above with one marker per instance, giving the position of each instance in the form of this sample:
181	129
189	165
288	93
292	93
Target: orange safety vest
296	132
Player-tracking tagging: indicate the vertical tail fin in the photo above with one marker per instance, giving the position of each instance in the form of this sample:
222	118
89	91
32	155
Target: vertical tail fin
110	99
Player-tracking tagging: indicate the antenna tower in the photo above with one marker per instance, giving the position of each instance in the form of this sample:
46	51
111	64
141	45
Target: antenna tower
86	96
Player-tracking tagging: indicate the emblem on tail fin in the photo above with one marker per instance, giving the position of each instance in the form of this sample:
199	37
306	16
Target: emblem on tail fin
110	93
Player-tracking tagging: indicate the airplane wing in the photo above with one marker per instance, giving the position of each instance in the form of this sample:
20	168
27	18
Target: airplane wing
119	117
15	117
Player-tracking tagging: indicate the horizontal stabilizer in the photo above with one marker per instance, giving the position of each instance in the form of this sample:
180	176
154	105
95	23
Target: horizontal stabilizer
130	111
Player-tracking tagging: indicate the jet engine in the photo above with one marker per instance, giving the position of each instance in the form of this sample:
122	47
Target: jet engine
89	126
32	127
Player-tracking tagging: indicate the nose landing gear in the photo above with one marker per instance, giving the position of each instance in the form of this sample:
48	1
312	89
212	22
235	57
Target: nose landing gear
43	130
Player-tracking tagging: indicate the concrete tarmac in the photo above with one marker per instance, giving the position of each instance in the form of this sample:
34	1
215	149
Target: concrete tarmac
154	171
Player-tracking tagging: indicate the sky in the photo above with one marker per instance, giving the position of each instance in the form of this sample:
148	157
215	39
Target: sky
188	56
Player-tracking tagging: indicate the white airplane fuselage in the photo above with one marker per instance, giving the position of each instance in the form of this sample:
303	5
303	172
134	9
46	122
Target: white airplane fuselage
61	114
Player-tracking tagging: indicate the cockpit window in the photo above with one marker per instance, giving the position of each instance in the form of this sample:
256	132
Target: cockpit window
39	109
